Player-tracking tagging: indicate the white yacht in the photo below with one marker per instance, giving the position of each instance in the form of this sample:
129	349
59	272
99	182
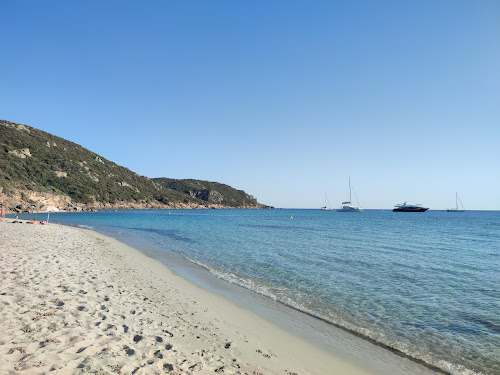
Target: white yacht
348	206
326	207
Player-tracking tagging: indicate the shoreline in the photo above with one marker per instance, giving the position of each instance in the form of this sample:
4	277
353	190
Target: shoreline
384	359
75	301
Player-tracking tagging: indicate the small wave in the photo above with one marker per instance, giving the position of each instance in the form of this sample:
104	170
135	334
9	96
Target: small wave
85	226
438	365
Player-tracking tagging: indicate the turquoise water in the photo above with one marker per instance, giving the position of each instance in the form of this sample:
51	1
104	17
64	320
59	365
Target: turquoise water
425	284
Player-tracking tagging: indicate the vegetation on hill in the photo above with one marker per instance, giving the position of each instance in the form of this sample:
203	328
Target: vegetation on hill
212	192
32	160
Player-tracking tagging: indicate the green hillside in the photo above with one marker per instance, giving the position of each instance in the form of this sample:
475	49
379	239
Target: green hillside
32	160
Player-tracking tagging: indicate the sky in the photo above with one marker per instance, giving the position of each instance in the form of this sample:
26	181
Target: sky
284	99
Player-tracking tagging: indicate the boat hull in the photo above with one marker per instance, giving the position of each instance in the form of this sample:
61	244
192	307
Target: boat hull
417	209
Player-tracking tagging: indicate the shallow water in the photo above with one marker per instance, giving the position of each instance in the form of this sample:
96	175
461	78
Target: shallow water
425	284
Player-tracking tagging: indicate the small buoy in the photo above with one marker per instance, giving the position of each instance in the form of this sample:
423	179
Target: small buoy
169	213
291	217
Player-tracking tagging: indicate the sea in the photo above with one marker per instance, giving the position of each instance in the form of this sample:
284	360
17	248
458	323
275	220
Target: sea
423	286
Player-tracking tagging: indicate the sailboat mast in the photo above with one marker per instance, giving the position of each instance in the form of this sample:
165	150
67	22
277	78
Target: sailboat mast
350	199
456	199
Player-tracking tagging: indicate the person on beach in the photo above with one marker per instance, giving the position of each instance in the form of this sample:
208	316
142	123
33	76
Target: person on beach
3	213
35	221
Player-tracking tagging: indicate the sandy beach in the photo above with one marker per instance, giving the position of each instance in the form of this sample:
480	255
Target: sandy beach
73	301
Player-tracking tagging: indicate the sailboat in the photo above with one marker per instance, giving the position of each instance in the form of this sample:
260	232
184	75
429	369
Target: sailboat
326	207
457	199
347	206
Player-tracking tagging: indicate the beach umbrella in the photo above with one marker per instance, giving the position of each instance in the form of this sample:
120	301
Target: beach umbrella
49	209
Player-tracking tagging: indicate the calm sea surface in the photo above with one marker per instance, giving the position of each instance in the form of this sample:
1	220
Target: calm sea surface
426	284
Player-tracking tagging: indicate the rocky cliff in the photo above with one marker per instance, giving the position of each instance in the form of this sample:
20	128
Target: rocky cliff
211	192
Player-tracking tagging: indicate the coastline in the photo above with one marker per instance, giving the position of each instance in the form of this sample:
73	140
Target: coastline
76	301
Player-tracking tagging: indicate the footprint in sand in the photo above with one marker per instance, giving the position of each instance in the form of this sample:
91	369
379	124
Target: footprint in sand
168	333
168	367
129	351
137	338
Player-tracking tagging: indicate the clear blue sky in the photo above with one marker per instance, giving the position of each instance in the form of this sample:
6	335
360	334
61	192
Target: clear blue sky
283	99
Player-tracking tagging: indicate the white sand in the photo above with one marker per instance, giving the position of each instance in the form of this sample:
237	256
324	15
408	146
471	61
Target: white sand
73	301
